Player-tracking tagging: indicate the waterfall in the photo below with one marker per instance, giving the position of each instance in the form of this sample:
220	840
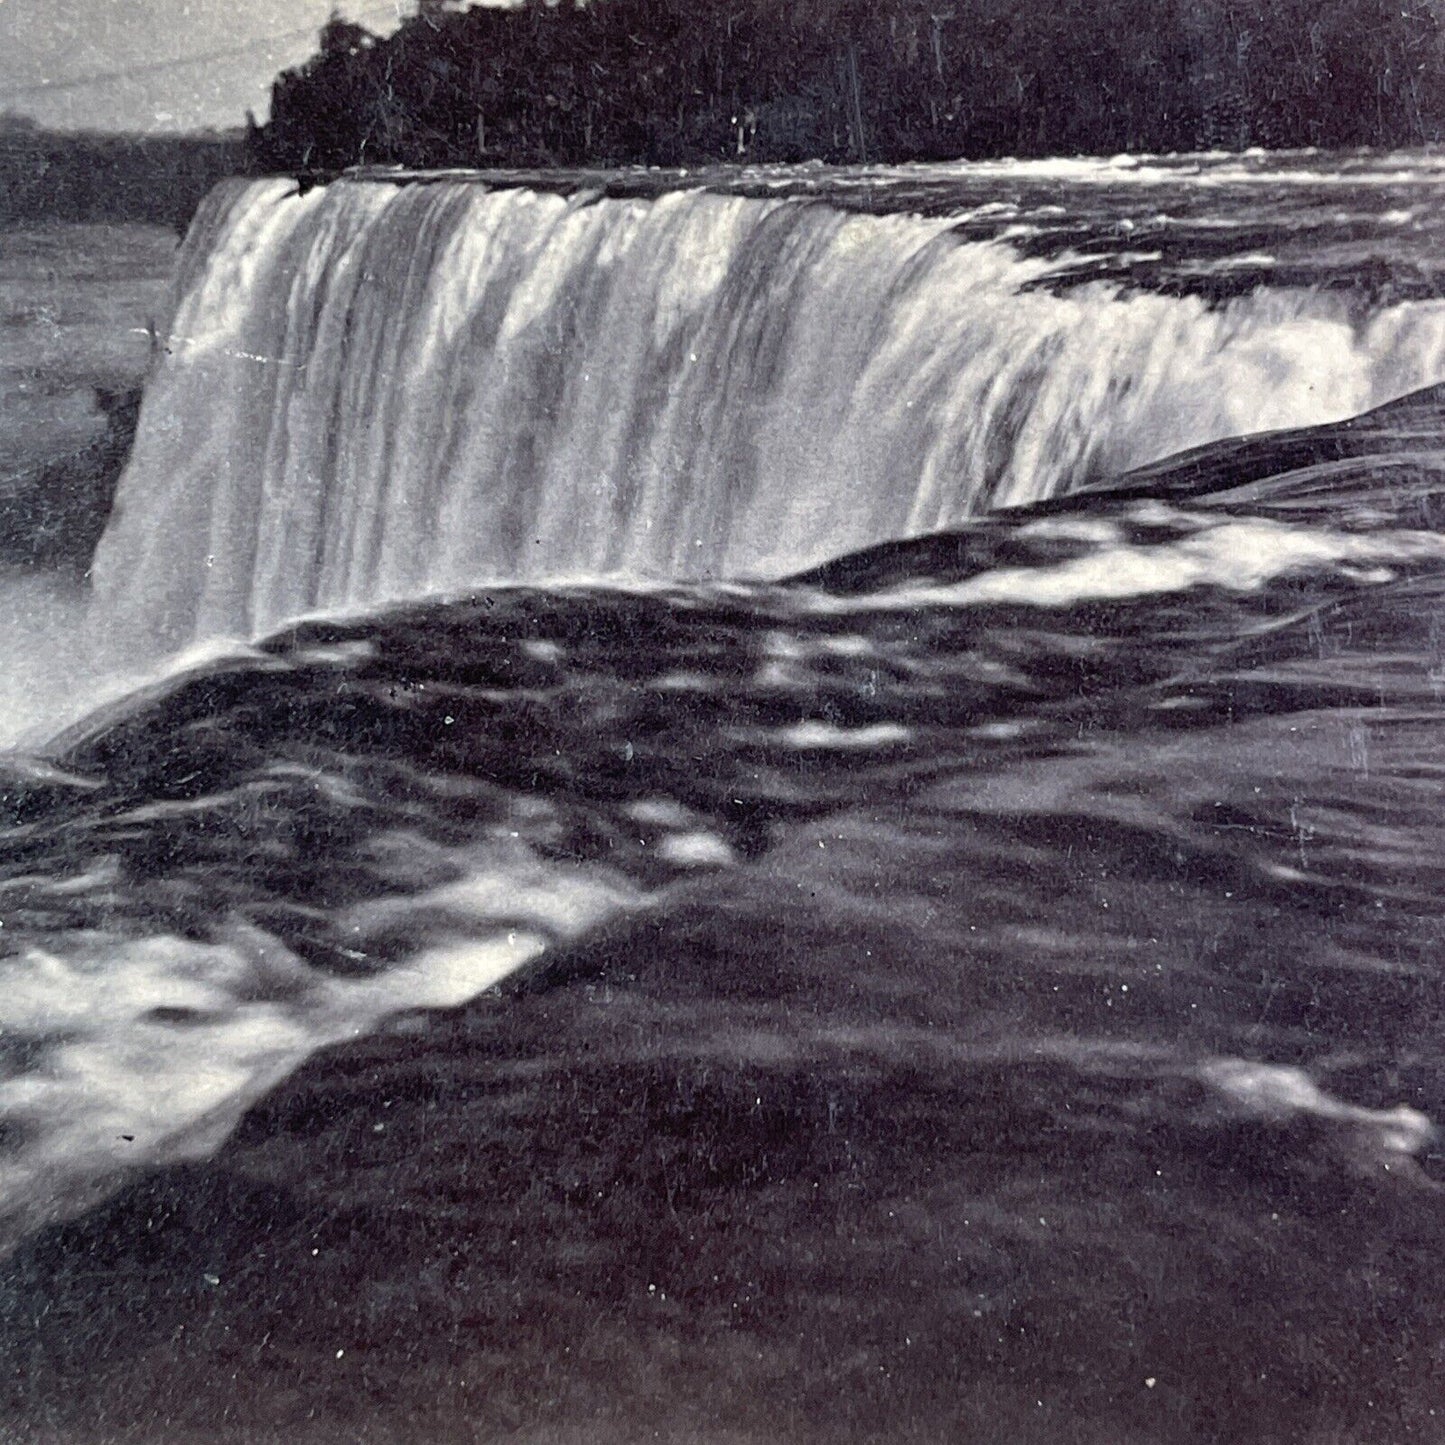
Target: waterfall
373	391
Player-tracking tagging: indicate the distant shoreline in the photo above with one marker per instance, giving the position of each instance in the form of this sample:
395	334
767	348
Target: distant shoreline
66	176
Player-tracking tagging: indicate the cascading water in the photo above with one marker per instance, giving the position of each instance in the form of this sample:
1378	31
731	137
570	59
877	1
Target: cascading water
376	391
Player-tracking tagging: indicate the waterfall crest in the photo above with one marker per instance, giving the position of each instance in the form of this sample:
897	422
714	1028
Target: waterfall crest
374	391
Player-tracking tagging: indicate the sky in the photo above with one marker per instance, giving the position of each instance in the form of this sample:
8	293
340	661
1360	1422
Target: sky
159	65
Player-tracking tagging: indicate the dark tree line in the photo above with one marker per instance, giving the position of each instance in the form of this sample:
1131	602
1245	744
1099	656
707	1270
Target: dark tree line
60	176
687	81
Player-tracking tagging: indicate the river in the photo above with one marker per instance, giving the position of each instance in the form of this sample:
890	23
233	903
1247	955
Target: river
788	805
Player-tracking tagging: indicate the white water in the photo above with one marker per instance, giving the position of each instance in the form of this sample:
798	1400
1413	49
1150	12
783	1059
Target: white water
158	1044
374	392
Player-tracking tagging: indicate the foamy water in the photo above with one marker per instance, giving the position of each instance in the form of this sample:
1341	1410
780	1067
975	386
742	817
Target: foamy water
151	1048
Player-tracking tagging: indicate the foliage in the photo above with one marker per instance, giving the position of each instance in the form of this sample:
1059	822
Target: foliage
558	82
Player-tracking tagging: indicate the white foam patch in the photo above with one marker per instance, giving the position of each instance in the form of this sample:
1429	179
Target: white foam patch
1204	168
512	887
814	734
660	812
1277	1092
337	654
1073	528
126	1084
1238	555
696	850
449	976
684	681
148	1051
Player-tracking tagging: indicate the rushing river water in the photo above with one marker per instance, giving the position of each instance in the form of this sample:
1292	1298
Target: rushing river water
727	843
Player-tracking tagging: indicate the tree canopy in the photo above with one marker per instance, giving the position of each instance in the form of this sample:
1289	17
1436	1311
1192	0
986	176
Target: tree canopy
558	82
